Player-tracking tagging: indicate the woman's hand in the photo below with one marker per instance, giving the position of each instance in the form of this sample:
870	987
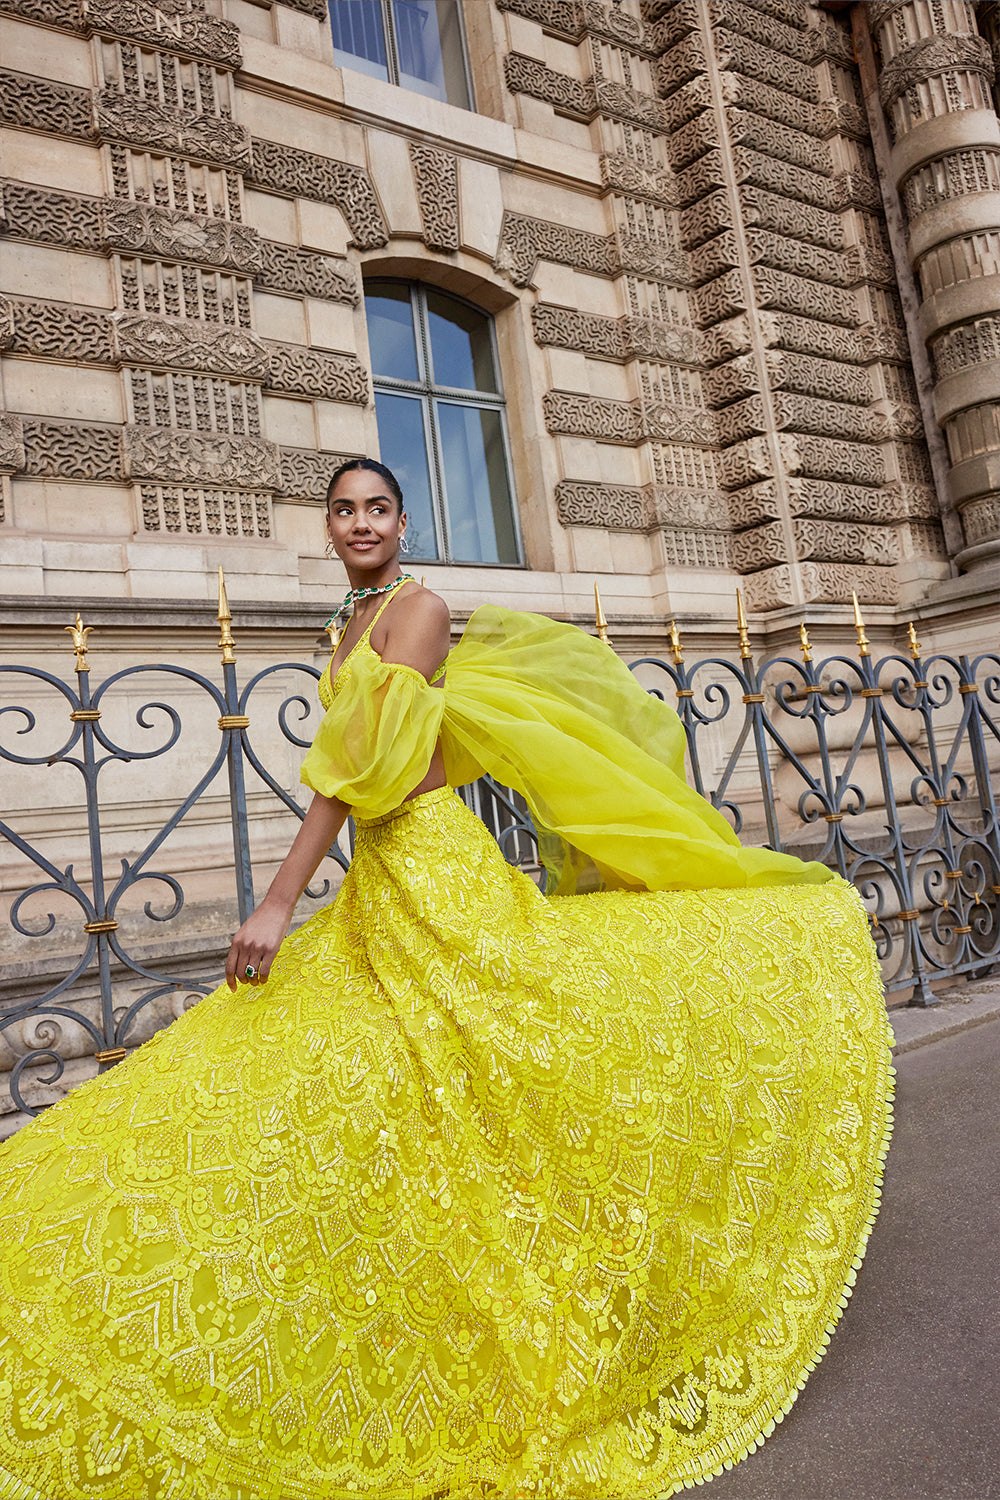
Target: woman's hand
257	942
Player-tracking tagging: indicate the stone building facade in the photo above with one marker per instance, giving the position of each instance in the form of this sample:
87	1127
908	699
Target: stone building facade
741	261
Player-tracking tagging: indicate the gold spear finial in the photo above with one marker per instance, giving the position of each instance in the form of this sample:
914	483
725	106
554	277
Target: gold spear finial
80	632
859	625
807	650
225	619
599	620
741	625
676	650
911	636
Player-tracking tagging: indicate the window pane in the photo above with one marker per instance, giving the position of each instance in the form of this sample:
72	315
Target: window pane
480	522
359	36
403	447
390	330
461	348
429	48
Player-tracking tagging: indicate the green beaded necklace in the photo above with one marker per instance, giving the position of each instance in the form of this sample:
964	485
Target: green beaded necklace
354	596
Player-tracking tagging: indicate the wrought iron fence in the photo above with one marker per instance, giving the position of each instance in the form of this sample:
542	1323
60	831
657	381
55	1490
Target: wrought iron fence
883	769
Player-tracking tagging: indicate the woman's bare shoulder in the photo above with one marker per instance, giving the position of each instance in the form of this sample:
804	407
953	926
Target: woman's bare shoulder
417	630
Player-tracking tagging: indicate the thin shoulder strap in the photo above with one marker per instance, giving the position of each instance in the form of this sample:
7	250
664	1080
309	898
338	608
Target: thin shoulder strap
383	607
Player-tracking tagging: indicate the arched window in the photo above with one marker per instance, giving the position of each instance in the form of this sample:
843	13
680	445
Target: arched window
441	422
416	44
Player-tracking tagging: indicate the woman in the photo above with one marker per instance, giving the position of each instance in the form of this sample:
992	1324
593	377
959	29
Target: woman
465	1191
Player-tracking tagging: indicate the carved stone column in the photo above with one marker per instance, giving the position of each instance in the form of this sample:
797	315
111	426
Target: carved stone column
935	89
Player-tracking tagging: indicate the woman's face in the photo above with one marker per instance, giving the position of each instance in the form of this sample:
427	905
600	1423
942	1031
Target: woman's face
363	522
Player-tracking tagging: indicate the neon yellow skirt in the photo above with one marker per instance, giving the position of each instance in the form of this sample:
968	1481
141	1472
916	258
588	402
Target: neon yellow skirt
482	1195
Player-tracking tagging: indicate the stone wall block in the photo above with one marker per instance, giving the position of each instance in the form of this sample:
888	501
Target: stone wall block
192	33
141	122
189	344
57	330
143	229
214	458
283	268
436	176
287	169
30	103
311	372
72	450
574	414
12	451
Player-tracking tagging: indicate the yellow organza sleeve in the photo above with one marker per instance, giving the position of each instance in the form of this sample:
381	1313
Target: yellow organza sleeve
376	740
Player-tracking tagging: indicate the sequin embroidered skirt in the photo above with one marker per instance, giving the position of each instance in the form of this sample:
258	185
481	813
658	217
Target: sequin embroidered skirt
482	1195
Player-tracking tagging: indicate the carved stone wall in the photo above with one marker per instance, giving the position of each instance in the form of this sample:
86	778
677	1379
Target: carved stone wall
936	89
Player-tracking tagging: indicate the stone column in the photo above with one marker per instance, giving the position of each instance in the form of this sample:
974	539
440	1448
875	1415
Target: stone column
934	86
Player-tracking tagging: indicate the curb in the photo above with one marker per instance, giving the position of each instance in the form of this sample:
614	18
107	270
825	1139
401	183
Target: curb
960	1009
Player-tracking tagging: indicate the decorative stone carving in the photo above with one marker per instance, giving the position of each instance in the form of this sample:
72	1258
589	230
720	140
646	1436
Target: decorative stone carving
827	458
767	172
697	549
287	269
286	169
722	298
834	583
914	500
614	338
929	56
39	104
167	232
793	146
12	457
312	372
305	473
769	589
571	96
571	413
786	254
785	216
976	170
764	99
981	521
193	34
827	378
739	54
834	502
612	22
72	450
651	338
751	22
59	330
141	122
682	63
208	512
6	323
779	289
189	344
646	257
876	341
969	344
862	263
198	458
524	240
759	547
436	175
623	103
857	190
673	506
319	9
845	541
555	15
63	13
624	175
616	507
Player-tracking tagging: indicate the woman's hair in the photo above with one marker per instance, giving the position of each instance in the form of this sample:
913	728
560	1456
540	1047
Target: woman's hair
374	467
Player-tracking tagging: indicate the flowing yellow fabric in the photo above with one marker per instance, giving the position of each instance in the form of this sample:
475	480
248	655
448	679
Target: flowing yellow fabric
483	1196
556	715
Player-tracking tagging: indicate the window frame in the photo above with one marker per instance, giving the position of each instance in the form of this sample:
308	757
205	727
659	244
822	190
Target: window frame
428	393
392	55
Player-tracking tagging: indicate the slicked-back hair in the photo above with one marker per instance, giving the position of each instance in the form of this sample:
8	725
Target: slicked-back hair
373	466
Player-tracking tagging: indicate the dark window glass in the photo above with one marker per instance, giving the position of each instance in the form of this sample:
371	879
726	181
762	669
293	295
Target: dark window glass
390	330
461	344
359	36
450	454
414	43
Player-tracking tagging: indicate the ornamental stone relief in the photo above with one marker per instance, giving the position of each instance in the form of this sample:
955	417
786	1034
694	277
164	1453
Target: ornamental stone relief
970	344
697	549
436	176
616	507
140	122
161	454
57	330
555	15
284	268
286	169
189	344
571	414
976	170
305	473
312	372
197	511
618	339
39	104
621	173
740	54
793	146
825	582
571	96
846	541
826	458
72	450
316	8
981	521
167	232
66	14
762	98
523	241
12	455
771	211
612	22
935	54
195	34
788	293
834	502
751	22
757	170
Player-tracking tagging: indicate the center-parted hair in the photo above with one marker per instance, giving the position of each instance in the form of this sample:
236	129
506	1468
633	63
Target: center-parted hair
373	466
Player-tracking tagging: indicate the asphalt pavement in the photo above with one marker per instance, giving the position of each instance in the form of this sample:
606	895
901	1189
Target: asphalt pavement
904	1406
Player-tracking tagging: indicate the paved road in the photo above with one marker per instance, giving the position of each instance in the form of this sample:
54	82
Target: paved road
905	1404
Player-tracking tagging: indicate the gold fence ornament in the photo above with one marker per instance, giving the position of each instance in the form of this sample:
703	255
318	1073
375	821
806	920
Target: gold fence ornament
599	620
741	625
676	650
80	632
914	645
805	643
225	619
859	625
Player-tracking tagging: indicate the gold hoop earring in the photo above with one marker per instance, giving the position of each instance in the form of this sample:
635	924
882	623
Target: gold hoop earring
329	548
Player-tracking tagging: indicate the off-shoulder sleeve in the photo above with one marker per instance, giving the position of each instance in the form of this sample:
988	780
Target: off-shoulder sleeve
376	741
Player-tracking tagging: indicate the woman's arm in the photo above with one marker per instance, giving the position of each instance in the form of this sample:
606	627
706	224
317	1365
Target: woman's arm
261	935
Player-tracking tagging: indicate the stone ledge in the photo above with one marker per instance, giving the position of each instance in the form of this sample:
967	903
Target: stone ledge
968	1004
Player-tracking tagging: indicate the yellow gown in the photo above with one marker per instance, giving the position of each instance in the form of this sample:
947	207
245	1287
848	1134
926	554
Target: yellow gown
486	1194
